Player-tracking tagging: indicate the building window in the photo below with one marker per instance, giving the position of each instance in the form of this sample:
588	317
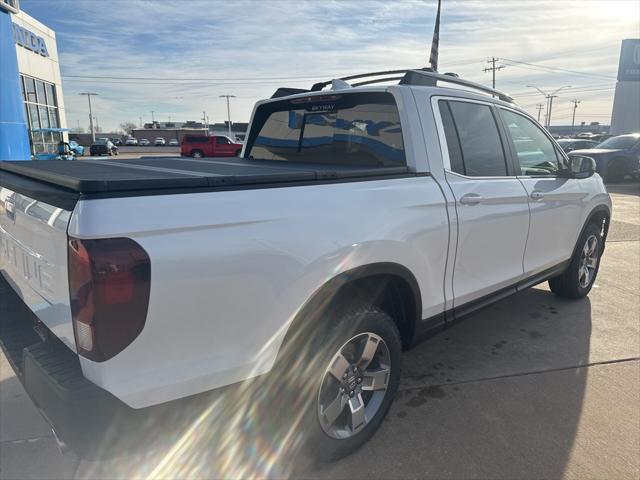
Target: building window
41	109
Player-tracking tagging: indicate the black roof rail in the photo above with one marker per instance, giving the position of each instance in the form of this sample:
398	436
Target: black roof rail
418	76
431	79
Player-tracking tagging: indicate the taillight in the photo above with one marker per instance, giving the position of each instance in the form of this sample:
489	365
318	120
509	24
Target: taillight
109	282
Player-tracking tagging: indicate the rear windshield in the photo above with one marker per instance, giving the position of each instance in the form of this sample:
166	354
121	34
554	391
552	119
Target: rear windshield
353	129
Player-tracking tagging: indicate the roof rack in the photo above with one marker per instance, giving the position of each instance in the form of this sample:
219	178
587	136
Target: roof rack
417	76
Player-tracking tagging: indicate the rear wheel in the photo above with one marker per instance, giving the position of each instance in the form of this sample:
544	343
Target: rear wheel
197	154
348	376
577	280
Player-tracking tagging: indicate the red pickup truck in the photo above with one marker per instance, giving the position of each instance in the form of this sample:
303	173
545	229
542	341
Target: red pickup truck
199	146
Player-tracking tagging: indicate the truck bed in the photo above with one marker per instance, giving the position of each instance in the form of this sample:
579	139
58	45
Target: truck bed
62	183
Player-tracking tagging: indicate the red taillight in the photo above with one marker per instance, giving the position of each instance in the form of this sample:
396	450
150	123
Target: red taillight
109	283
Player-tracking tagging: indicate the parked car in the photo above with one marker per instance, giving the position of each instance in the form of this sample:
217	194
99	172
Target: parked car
103	146
117	142
144	142
350	230
159	141
617	157
76	148
174	142
199	146
131	141
570	144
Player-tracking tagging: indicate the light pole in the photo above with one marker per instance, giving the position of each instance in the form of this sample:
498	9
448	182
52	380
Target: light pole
93	133
153	119
228	111
549	97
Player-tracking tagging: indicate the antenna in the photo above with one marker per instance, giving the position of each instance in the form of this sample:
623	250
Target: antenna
435	42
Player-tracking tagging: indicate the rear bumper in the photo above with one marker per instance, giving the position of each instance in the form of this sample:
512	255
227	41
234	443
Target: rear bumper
82	415
89	420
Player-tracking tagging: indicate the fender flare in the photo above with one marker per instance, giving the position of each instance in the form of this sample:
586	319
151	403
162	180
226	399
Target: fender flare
341	283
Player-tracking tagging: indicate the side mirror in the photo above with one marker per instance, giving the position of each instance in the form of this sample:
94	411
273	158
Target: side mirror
580	166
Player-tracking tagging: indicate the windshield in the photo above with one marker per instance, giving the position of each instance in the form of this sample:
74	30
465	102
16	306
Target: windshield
356	129
622	142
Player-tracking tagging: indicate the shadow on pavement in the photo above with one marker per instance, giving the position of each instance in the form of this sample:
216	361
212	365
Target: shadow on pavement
472	404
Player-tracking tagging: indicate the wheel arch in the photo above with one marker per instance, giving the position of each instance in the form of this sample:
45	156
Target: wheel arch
600	215
389	286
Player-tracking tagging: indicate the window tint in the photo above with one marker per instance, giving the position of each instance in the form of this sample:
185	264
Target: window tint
480	147
197	139
453	145
222	141
535	151
356	129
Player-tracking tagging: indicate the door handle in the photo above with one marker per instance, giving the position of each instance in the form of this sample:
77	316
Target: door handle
470	199
536	195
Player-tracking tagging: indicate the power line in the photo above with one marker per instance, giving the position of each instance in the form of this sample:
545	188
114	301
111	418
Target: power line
574	72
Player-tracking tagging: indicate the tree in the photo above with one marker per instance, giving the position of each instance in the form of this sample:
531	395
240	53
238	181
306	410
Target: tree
127	127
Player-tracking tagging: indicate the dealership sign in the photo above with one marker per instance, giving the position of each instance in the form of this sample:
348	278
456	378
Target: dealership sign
29	40
629	68
9	5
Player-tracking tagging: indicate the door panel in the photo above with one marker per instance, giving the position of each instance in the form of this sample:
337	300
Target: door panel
493	221
556	206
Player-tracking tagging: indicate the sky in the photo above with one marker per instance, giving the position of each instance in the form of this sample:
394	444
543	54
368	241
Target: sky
177	57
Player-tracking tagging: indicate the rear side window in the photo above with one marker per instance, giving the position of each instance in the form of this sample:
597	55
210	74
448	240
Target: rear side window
473	141
197	139
356	129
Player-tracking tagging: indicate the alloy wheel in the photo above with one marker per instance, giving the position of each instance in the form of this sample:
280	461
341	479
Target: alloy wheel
588	261
354	385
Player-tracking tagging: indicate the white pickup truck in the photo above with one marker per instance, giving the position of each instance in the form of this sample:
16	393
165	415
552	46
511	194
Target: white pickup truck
359	219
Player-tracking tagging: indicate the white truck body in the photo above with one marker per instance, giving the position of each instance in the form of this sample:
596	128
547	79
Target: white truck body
232	269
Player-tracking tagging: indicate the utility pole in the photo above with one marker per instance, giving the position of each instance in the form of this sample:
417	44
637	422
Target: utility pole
153	119
140	118
539	106
228	110
93	133
493	69
204	120
78	125
573	118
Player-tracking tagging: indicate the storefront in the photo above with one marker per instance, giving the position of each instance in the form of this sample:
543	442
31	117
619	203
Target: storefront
39	88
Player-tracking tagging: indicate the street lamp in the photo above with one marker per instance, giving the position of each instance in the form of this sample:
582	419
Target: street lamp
228	111
549	97
93	133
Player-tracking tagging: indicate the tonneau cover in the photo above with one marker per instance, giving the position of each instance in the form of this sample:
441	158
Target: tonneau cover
104	176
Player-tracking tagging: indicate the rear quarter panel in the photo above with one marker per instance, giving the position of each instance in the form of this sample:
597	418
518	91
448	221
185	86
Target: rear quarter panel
230	270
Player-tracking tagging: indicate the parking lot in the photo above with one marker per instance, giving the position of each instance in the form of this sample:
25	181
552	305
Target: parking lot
532	387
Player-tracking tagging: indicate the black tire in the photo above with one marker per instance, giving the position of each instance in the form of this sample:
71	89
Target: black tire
197	154
571	283
616	171
317	347
238	152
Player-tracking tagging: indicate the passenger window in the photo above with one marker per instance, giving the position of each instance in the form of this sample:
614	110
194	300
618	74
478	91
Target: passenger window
478	150
535	151
222	141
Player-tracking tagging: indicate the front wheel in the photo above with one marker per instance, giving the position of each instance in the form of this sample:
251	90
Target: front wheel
197	154
578	279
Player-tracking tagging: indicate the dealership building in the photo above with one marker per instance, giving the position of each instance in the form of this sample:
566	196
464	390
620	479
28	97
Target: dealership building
32	115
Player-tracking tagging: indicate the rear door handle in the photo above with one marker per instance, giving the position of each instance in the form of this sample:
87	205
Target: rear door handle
470	199
536	195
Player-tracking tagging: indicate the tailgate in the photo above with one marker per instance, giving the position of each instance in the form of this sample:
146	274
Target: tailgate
33	258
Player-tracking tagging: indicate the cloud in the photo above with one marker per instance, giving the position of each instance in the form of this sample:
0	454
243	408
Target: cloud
251	40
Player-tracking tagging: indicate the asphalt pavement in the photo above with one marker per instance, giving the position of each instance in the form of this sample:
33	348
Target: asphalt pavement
532	387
